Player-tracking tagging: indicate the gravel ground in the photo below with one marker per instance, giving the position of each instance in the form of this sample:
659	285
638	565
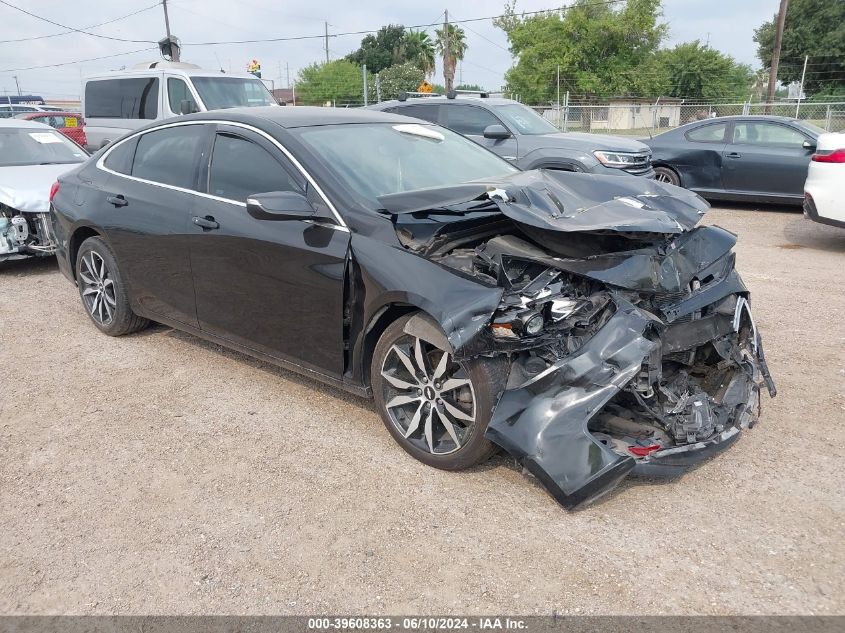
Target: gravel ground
158	473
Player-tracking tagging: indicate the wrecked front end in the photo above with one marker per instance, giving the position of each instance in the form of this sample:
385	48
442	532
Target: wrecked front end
629	333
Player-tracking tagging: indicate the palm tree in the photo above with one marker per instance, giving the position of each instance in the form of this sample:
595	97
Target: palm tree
420	50
457	46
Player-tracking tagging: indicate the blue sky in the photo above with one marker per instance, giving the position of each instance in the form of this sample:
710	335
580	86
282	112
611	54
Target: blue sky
729	24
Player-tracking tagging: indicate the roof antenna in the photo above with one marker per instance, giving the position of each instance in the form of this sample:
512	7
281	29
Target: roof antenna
218	62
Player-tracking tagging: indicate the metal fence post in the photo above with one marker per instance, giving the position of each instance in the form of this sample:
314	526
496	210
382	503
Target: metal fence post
378	88
364	74
566	111
827	120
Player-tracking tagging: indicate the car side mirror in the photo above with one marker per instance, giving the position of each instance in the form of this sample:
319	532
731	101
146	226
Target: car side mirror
186	106
496	132
279	205
808	145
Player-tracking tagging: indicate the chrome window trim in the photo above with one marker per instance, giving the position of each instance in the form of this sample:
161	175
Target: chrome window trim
101	164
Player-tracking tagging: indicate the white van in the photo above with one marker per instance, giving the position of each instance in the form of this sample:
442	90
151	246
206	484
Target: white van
118	102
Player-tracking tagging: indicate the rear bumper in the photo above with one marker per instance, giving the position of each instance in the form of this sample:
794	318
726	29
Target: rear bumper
811	212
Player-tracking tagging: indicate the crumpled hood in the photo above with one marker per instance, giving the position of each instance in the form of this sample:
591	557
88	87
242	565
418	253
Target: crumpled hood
566	201
27	187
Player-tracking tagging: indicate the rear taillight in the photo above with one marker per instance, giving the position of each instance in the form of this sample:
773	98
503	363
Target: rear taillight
831	156
54	190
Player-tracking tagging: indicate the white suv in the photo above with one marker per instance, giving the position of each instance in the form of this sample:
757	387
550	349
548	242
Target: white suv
118	102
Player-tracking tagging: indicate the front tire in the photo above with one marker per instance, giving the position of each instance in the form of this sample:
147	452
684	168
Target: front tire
667	175
102	290
436	408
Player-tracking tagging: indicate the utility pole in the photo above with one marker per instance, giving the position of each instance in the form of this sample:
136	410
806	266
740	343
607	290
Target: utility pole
327	41
18	85
364	77
773	70
166	18
448	71
287	73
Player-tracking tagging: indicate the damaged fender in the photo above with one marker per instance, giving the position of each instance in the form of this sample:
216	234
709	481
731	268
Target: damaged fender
543	422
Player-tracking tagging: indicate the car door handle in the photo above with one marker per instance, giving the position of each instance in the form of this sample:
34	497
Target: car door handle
118	200
208	222
734	155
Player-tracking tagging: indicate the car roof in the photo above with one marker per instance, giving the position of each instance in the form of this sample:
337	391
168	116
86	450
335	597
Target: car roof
22	123
461	100
749	117
302	116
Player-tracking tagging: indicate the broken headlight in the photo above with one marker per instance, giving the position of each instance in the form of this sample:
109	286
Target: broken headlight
517	324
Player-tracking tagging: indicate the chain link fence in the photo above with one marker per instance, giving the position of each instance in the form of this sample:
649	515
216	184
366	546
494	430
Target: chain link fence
637	118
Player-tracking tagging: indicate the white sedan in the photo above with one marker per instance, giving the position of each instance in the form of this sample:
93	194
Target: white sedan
824	191
32	156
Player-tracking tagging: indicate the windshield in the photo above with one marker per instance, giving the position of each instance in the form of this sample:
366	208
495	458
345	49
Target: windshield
525	119
33	146
218	93
379	159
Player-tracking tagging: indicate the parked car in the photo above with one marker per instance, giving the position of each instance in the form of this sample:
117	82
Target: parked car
118	102
760	158
71	124
9	110
584	323
824	191
517	133
32	156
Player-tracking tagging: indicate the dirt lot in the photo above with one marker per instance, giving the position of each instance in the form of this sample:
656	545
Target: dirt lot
158	473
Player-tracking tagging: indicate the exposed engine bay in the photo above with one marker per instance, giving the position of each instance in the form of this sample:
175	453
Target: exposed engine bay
629	333
25	234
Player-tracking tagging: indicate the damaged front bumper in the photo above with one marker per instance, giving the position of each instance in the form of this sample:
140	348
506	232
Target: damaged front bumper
561	426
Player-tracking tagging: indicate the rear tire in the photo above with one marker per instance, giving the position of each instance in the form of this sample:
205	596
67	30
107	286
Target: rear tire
102	290
437	414
667	175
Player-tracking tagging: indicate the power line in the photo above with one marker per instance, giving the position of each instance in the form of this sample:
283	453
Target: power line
79	61
414	26
93	26
70	28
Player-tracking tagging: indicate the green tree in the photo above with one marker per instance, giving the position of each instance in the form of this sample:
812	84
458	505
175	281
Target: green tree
473	87
405	77
339	82
601	50
453	36
386	48
419	49
691	70
815	28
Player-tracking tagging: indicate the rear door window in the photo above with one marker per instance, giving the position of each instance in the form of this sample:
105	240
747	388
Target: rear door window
468	120
120	158
713	133
169	156
424	112
130	98
241	168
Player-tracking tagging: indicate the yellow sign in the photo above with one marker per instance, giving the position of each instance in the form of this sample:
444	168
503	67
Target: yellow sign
425	87
70	121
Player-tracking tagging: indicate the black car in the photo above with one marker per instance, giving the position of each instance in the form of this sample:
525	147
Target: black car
517	133
581	322
760	158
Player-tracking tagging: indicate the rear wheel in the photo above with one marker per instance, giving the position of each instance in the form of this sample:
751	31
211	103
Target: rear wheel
102	290
435	407
667	175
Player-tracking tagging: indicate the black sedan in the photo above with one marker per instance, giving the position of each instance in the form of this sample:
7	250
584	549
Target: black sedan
581	322
760	158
